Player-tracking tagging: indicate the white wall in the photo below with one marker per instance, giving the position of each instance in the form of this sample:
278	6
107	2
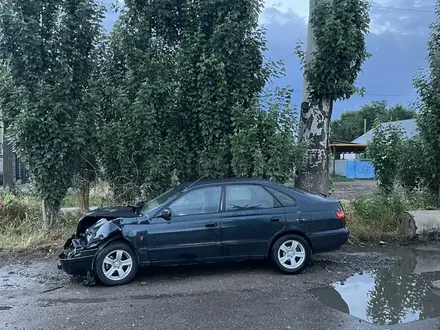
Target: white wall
341	167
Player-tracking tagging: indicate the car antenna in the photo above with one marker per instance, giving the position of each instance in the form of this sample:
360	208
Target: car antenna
192	184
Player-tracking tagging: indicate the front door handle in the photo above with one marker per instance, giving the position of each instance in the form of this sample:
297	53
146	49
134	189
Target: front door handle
275	219
211	224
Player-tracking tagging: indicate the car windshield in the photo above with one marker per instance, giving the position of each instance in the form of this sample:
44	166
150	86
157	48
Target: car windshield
161	199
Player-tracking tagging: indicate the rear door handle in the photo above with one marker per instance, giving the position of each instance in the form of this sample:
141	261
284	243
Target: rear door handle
275	219
211	224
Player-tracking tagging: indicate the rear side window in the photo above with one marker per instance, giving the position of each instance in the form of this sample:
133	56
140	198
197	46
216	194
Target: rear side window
246	197
284	199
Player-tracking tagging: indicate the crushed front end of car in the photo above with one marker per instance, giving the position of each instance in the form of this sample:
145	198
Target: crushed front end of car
79	251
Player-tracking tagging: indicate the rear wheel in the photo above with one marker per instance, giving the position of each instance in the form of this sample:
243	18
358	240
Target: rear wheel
291	254
116	264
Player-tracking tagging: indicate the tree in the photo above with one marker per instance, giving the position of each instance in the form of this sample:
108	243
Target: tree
49	47
385	150
351	124
223	73
179	79
427	83
140	124
335	54
264	144
8	170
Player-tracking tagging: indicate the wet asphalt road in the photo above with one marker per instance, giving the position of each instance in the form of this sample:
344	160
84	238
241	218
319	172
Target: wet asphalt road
229	296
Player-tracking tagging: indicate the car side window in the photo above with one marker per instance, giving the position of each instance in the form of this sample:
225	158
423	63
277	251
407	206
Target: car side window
245	197
199	201
283	198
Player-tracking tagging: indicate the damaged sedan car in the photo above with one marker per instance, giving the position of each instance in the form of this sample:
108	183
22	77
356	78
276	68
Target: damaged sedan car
206	221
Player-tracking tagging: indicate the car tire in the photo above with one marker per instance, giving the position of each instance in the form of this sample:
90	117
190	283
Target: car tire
116	264
291	254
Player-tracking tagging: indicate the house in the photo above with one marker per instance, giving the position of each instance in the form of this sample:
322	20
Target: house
346	155
409	130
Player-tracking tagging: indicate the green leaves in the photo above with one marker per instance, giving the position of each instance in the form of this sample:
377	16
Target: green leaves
181	87
172	95
340	29
386	150
427	83
50	115
264	144
351	124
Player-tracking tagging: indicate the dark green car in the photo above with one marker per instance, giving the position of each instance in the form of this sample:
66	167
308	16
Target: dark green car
206	221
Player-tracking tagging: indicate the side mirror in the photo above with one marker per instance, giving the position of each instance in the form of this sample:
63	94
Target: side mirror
166	214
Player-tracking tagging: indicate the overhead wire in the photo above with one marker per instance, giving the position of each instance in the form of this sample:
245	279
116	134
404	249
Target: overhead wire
404	9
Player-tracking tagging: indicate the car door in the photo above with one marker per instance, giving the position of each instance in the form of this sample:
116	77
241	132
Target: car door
193	231
251	217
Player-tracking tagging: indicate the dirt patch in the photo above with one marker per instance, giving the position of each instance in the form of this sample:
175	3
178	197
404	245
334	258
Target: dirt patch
28	256
354	189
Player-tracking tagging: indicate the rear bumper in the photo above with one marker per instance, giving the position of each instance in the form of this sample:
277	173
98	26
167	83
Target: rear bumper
79	264
329	240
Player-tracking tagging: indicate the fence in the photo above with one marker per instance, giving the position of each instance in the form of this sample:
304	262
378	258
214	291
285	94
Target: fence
352	169
359	169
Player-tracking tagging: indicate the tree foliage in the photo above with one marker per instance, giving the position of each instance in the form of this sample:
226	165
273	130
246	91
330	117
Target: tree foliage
351	124
264	144
427	83
182	82
174	93
385	150
48	46
339	27
397	161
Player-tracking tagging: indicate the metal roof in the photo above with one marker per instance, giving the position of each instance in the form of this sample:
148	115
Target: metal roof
408	126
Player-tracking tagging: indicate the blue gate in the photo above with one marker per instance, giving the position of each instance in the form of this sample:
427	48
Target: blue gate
360	169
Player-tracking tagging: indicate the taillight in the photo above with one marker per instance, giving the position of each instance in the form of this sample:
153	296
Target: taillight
340	214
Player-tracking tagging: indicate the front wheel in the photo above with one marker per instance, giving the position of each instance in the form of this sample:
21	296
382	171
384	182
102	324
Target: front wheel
116	264
291	254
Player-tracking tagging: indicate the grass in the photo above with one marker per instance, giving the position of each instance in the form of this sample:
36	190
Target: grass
21	220
339	178
378	217
21	225
72	200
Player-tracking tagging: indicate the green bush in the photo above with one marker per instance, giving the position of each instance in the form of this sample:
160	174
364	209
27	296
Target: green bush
378	217
385	151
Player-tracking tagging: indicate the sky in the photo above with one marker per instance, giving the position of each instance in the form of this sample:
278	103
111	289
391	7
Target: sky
397	40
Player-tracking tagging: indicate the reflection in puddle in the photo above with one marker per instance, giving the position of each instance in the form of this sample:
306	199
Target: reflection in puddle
388	296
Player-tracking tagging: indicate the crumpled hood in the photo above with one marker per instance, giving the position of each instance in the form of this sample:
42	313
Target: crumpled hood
113	212
89	219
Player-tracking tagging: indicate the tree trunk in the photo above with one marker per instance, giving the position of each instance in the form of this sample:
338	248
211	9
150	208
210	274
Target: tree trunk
8	158
50	215
84	196
314	130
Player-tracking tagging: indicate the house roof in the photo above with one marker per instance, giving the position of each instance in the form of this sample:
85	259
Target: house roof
409	130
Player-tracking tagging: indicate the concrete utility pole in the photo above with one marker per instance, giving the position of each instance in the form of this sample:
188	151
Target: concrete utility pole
310	49
314	126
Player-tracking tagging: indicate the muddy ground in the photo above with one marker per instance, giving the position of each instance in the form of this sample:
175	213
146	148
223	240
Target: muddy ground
250	295
353	189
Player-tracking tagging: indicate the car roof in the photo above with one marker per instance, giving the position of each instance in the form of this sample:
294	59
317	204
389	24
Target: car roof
226	181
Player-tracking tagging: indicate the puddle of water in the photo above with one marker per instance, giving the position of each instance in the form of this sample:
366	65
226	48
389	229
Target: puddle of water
399	294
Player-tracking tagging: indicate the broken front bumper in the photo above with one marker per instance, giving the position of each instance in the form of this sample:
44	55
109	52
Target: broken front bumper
76	260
